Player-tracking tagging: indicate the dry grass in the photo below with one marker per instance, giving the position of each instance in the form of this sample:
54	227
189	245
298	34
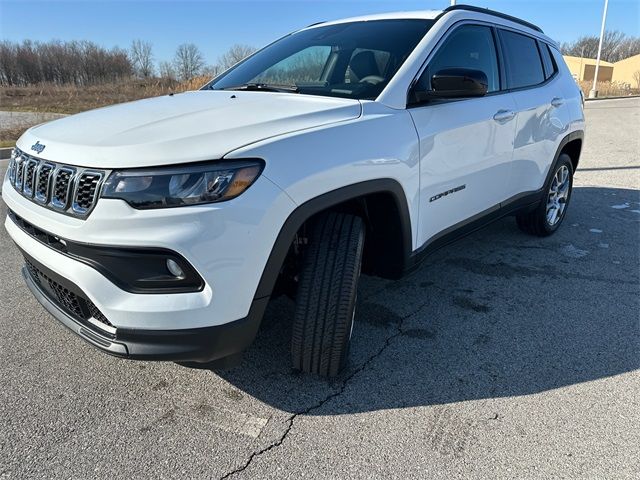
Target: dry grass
608	89
8	136
72	99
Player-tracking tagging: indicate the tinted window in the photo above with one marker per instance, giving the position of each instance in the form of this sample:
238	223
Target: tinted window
353	59
522	59
375	60
470	46
547	60
304	66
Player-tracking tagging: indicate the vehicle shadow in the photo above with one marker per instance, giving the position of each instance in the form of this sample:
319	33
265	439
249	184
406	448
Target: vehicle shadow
497	314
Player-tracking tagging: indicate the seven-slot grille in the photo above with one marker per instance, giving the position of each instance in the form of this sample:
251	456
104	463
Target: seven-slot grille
67	189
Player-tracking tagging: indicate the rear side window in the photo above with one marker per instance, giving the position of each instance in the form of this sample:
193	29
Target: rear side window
522	59
547	60
470	46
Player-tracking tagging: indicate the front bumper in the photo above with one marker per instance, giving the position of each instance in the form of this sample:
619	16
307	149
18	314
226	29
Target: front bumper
227	245
197	344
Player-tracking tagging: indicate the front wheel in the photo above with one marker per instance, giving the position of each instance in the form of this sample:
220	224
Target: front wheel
327	292
548	216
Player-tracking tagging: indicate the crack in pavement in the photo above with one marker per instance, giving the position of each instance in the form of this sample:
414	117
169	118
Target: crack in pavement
328	398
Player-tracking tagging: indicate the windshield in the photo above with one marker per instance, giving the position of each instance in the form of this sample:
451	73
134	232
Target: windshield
350	60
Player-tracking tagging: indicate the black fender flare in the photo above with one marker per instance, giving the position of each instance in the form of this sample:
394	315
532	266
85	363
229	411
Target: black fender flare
540	194
323	202
575	135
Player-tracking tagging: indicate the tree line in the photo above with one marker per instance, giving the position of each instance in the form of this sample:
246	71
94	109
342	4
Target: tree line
83	63
75	62
616	46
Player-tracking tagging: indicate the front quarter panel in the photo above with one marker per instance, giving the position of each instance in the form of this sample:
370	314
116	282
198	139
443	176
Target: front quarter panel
381	144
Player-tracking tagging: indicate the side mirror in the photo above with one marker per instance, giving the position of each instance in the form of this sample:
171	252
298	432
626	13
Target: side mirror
455	83
459	82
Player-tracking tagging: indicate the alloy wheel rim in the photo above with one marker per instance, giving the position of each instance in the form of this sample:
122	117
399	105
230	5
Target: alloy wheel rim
558	196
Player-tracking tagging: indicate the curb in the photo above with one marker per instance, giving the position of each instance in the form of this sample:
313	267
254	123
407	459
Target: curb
5	153
610	98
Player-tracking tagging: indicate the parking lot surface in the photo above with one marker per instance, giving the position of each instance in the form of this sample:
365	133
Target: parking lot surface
503	356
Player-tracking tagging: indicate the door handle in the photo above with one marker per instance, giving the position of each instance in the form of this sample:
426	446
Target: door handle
503	116
557	102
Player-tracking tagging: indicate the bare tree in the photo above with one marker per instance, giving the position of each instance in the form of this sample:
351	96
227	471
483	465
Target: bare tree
629	47
234	55
9	74
167	70
615	46
212	71
75	62
142	58
188	61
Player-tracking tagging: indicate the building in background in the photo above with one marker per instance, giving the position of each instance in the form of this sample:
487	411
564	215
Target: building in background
627	71
583	69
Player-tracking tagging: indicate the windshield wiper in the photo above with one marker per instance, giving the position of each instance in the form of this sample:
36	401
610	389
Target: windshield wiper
264	87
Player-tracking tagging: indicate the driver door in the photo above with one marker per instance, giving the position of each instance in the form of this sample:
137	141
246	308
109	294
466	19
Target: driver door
466	144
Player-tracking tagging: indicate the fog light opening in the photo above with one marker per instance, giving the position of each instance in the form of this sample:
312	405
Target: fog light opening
174	269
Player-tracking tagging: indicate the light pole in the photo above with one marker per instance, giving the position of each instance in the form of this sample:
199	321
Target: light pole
594	93
453	2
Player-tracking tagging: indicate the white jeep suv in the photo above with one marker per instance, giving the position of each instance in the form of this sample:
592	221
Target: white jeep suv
159	229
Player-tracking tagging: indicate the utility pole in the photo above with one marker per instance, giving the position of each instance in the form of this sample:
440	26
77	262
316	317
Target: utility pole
594	92
453	2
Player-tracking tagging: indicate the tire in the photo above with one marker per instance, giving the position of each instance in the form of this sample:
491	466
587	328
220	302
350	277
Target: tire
327	292
542	221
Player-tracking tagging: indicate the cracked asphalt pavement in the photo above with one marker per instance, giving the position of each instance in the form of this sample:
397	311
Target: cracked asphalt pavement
503	356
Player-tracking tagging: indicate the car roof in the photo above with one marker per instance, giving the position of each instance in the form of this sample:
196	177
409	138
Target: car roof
460	11
415	15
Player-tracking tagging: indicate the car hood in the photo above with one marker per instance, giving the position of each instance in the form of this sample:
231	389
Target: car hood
180	128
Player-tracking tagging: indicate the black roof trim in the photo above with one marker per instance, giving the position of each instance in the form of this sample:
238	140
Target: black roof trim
471	8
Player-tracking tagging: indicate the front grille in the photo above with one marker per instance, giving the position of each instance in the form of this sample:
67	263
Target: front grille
86	191
42	185
19	165
70	190
61	187
29	175
78	306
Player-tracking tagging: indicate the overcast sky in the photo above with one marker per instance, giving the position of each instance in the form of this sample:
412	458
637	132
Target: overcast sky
214	25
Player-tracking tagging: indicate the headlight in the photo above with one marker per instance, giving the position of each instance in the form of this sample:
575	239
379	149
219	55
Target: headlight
182	185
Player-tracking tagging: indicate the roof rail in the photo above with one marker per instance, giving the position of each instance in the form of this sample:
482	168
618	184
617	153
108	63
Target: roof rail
471	8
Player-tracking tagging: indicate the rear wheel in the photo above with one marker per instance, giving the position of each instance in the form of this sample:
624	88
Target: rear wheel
327	292
548	216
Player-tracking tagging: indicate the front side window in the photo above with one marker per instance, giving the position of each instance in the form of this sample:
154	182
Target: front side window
522	59
352	60
470	46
